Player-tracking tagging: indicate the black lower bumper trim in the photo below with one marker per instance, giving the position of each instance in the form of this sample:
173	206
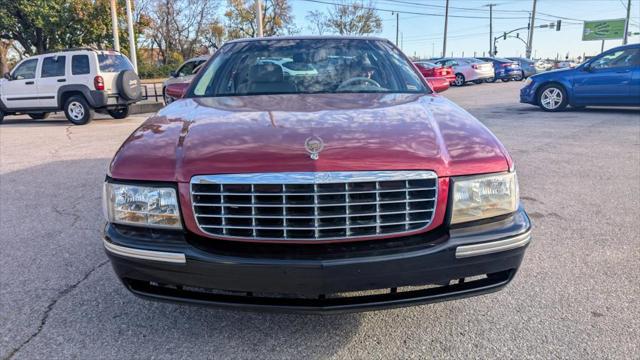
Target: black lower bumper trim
324	303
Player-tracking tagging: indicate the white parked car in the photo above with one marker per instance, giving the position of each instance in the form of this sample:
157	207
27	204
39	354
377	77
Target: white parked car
468	69
185	73
76	81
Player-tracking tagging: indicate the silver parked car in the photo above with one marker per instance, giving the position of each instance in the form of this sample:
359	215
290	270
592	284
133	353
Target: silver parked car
185	73
468	69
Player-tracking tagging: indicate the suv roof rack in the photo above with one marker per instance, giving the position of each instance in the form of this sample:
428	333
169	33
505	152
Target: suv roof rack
85	48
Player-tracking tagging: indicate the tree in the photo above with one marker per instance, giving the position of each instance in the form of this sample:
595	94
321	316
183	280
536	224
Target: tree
44	25
354	19
317	21
178	26
241	18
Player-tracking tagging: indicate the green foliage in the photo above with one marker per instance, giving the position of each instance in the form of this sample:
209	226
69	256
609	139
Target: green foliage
45	25
152	71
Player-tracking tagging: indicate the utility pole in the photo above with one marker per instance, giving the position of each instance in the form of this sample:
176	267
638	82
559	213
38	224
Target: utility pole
626	23
397	26
446	20
114	26
491	51
531	27
259	16
132	37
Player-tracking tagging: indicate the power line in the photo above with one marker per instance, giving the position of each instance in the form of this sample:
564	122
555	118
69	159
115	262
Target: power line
413	12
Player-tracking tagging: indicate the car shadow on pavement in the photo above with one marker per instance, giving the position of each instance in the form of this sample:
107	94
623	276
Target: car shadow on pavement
26	121
51	230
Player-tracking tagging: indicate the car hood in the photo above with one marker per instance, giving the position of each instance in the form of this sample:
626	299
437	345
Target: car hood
555	73
267	133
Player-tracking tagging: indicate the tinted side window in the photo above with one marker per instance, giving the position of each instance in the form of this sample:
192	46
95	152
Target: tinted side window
53	66
80	65
187	69
26	70
621	58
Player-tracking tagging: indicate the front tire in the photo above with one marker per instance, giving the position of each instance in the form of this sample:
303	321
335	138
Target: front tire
120	113
78	111
1	116
552	98
39	116
460	80
520	77
491	80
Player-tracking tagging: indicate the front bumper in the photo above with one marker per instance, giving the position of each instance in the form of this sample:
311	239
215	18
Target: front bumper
528	95
430	267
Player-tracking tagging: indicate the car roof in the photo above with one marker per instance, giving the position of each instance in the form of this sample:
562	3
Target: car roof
81	49
307	37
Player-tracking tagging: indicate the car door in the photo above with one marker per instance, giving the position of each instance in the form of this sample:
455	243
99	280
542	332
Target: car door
606	80
21	90
52	76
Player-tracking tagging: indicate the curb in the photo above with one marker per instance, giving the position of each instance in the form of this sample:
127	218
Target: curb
145	108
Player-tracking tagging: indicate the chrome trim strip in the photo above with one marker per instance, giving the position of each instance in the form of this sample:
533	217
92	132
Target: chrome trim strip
176	258
327	177
493	246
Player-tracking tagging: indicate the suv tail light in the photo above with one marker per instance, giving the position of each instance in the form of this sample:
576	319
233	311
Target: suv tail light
506	64
98	82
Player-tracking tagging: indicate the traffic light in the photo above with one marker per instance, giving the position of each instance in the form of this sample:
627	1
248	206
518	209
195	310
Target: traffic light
558	23
504	37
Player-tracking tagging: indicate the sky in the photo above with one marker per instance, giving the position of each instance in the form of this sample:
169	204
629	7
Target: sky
422	34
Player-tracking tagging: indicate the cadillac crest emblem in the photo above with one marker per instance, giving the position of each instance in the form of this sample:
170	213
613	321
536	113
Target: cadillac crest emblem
314	145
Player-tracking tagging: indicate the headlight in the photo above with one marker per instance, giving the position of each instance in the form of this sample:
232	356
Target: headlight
480	197
528	81
141	205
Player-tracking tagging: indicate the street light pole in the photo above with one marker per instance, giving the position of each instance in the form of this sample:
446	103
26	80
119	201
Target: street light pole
259	16
132	38
491	50
531	27
626	23
446	19
397	26
114	26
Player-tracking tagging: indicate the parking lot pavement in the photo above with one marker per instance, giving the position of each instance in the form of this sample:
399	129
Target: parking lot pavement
576	295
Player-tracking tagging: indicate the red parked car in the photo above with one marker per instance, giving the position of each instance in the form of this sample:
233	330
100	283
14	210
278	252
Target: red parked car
428	69
350	187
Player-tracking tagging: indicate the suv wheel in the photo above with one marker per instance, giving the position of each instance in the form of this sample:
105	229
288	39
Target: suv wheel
39	116
119	113
77	110
552	98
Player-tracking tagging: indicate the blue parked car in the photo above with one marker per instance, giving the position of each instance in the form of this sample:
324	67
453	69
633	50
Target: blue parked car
505	69
528	67
609	79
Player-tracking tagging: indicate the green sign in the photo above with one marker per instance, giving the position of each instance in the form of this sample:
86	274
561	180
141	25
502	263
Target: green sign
603	30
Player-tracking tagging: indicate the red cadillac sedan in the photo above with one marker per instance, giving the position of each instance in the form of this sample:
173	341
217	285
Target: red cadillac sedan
431	70
339	182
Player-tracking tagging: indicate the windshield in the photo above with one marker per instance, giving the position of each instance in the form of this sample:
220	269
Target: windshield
304	66
114	62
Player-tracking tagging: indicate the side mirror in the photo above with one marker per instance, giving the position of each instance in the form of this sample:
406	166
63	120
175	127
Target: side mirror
177	90
438	84
587	68
7	76
173	74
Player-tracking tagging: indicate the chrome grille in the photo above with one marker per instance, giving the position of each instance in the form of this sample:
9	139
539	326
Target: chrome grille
314	205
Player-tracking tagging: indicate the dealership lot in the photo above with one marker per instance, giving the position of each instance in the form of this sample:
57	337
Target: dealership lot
575	296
